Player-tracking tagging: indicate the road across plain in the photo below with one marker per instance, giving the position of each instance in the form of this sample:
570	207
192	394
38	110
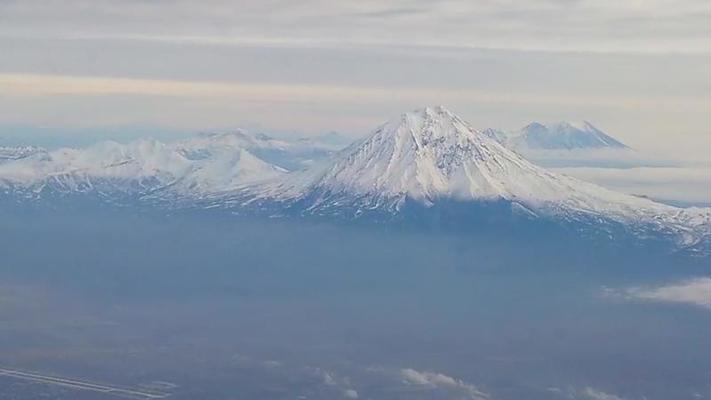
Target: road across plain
81	385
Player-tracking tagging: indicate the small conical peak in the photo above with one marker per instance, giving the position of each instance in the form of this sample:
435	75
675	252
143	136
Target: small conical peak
565	135
427	127
533	126
430	112
431	122
437	110
584	126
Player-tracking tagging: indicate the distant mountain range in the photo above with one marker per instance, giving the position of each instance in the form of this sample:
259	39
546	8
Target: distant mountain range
428	161
564	136
205	163
556	136
574	144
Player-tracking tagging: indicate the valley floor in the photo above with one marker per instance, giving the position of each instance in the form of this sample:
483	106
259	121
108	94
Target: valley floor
225	308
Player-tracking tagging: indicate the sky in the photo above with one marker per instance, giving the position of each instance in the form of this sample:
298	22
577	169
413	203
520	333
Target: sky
638	69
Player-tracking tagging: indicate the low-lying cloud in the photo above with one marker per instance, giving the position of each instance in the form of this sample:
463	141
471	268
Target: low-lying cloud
696	291
436	380
640	26
683	184
586	393
593	394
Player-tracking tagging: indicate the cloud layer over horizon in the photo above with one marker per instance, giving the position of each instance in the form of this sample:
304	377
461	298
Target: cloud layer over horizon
648	26
637	69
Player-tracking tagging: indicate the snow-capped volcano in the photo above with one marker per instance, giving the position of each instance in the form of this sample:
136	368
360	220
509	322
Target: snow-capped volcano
426	155
426	160
572	144
430	155
563	136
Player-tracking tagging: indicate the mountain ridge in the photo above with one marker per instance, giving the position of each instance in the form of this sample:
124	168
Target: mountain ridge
429	160
431	155
563	135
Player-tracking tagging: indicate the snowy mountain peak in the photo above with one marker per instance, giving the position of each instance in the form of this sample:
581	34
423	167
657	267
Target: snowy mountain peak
429	126
428	158
190	168
425	155
432	157
580	125
563	136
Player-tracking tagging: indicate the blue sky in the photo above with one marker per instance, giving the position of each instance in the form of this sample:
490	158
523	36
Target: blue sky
637	69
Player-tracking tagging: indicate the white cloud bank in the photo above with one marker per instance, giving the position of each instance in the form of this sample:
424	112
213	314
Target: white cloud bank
342	384
440	381
315	66
593	25
587	393
593	394
696	291
686	184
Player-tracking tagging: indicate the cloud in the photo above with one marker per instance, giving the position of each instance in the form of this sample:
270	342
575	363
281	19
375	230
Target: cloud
342	384
587	393
348	65
592	25
695	292
440	381
40	97
44	84
592	394
685	184
273	364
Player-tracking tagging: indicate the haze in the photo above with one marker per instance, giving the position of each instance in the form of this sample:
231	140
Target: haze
637	69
